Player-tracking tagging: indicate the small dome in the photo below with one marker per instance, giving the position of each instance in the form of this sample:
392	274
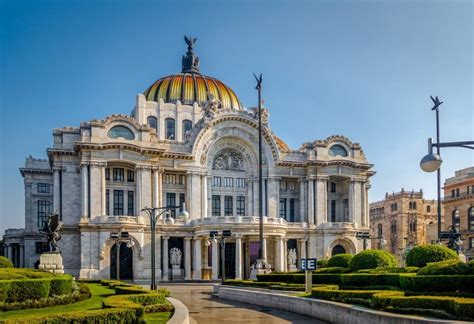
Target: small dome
191	86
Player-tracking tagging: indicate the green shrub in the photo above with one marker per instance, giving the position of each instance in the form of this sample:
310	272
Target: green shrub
447	267
364	279
390	270
4	288
333	270
112	315
61	285
371	259
136	302
5	262
126	290
20	273
326	278
20	290
438	283
286	277
340	260
421	255
321	263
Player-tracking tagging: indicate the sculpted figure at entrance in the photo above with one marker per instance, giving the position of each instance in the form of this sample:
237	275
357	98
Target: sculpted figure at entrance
176	256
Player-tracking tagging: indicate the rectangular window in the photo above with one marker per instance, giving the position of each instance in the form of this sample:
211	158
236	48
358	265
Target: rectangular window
170	178
44	207
283	208
130	204
471	242
452	193
283	185
216	205
182	179
118	174
333	210
107	202
182	200
118	202
228	182
171	201
292	210
228	206
240	182
333	187
216	181
43	187
457	192
291	185
240	206
107	174
130	176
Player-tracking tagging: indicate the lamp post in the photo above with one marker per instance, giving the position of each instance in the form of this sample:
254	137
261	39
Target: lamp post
119	238
152	214
432	162
214	238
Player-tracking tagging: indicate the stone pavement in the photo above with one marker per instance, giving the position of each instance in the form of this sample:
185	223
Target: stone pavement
203	308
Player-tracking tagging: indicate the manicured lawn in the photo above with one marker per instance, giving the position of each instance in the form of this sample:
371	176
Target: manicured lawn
98	292
158	317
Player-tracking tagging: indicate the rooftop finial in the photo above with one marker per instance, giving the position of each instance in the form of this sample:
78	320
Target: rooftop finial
190	61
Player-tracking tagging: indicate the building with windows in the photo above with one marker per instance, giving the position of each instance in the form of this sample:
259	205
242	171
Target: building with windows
458	206
401	221
190	142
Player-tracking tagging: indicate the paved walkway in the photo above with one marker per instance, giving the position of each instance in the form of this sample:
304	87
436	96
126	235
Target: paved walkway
203	308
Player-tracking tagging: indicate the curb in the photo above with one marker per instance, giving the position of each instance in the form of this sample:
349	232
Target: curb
181	312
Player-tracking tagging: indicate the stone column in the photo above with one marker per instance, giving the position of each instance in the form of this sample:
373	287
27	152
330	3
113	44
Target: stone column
103	191
209	196
279	254
238	257
215	260
264	197
85	190
56	190
158	257
204	205
366	204
352	203
155	188
272	194
310	201
160	189
255	197
21	261
321	201
362	204
302	201
197	258
165	259
264	248
187	258
96	189
9	252
249	201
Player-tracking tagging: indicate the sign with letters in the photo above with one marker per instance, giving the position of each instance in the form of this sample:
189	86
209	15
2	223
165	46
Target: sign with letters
308	264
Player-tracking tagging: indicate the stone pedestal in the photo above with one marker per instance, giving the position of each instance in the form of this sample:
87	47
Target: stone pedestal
52	262
176	272
260	267
292	268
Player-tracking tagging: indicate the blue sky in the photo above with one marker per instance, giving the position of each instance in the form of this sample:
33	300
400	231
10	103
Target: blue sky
362	69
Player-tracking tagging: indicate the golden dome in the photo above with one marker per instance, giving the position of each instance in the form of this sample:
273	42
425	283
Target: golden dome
191	86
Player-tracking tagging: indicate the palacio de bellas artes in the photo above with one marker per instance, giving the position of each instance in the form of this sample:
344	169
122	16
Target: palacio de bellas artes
190	142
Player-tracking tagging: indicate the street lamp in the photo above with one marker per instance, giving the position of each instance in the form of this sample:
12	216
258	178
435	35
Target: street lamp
214	238
432	162
151	212
119	238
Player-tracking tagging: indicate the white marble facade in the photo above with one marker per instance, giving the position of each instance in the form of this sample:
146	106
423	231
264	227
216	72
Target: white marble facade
99	176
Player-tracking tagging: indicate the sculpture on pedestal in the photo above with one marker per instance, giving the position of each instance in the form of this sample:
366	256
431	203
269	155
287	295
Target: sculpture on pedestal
175	259
292	257
52	261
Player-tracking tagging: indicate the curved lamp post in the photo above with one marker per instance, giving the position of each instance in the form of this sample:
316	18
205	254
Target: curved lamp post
432	162
154	216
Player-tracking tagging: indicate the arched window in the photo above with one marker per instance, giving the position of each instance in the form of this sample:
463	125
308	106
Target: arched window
456	220
187	125
336	150
470	217
393	227
338	249
152	122
170	129
121	131
379	230
428	209
414	205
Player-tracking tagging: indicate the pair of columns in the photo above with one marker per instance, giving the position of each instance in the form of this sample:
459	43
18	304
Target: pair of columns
16	254
197	258
216	248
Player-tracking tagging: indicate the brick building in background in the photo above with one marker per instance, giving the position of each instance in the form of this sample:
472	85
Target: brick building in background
403	220
459	207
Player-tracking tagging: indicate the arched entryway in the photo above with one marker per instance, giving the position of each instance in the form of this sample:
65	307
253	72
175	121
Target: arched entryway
338	249
125	262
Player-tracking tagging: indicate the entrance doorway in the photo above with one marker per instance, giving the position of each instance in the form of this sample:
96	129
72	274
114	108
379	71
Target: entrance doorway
125	262
338	249
229	262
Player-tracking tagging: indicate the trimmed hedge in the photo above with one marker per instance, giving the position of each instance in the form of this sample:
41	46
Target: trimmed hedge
371	259
113	315
447	267
61	285
390	270
136	302
333	270
362	279
340	260
421	255
321	263
5	262
21	273
438	283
